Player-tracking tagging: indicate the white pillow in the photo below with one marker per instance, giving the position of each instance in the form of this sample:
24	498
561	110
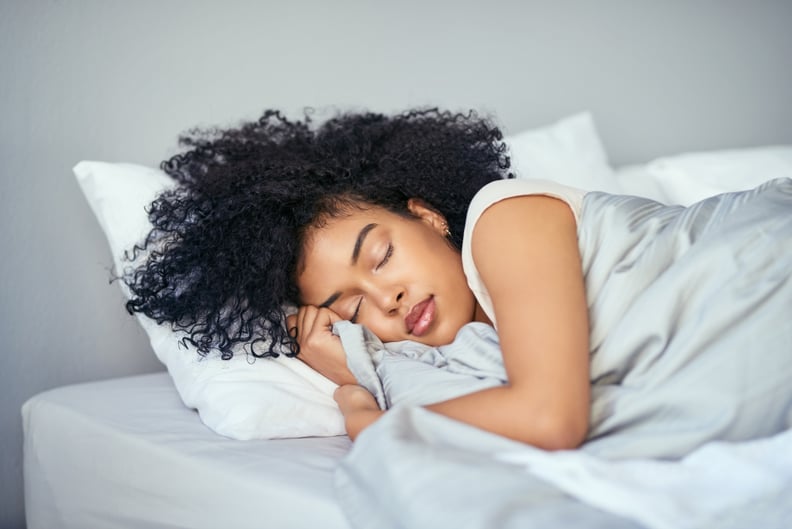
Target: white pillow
569	152
636	180
691	177
265	399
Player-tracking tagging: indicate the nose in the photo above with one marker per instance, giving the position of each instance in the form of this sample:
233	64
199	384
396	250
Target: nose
389	299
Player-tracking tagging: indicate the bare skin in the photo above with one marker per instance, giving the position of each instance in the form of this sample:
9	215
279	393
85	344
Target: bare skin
406	282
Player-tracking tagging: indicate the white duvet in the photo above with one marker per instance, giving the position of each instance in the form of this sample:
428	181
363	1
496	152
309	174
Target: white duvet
691	372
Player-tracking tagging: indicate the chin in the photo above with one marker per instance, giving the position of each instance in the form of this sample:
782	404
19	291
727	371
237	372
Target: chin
444	338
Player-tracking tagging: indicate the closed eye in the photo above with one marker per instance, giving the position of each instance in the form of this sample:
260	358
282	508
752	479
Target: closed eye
387	257
354	317
382	263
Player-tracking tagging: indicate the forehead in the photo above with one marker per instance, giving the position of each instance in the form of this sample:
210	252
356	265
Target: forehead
334	229
340	225
333	239
327	249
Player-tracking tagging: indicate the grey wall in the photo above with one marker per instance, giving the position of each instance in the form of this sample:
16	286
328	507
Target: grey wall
118	81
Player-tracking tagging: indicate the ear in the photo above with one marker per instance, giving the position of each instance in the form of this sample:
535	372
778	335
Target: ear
428	214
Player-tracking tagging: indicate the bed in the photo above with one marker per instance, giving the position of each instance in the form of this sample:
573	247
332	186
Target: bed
128	453
259	444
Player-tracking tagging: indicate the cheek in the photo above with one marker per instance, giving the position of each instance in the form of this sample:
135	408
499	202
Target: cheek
448	264
386	331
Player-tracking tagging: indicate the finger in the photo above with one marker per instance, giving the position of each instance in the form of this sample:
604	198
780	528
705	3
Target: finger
324	320
291	325
308	320
301	314
331	315
327	318
300	331
292	332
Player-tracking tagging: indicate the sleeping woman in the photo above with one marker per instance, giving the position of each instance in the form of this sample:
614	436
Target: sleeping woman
412	226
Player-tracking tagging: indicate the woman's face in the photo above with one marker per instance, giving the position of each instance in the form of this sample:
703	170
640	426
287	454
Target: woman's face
396	275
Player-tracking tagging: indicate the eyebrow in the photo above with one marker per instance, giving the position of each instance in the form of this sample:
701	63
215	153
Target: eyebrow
355	255
329	301
359	242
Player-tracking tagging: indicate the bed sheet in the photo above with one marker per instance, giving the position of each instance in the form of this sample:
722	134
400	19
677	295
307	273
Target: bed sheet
128	453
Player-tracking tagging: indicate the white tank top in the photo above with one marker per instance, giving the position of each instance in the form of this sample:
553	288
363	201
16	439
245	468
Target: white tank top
495	192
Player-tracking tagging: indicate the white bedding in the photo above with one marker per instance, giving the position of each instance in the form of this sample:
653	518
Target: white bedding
128	453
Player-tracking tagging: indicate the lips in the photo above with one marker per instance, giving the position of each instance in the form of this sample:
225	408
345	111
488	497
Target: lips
420	317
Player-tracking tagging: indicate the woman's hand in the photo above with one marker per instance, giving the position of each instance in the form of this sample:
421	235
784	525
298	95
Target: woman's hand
359	407
319	347
352	398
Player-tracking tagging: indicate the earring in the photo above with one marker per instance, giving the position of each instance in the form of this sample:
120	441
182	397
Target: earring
446	231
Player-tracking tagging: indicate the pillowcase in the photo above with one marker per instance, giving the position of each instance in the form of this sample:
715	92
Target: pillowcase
636	180
691	177
240	398
569	152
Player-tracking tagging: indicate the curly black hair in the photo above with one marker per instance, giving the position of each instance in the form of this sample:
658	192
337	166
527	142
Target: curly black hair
219	263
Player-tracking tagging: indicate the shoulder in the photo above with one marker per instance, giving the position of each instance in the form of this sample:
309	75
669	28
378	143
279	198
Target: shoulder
507	214
499	190
538	223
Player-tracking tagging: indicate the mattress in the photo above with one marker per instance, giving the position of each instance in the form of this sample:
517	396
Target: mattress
128	453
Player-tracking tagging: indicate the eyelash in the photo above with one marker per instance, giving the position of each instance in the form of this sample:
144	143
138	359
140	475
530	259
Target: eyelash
353	319
387	257
382	263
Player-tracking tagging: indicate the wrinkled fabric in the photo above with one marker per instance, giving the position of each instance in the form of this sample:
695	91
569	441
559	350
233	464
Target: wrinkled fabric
691	342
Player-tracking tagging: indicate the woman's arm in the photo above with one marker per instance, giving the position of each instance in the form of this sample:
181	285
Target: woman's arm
526	251
358	406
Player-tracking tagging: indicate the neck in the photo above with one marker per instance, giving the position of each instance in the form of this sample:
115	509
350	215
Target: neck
480	315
